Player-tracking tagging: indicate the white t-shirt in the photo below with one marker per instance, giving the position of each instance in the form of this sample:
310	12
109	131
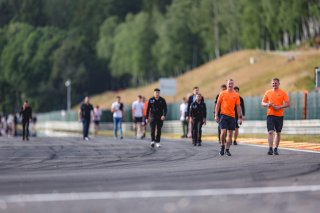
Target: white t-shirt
138	108
117	113
183	110
97	114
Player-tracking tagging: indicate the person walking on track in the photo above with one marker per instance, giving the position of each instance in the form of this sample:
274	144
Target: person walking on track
191	99
117	108
84	116
198	115
236	132
156	114
26	114
275	100
227	101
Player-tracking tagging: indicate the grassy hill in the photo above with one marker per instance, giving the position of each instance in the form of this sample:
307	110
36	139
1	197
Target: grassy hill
253	79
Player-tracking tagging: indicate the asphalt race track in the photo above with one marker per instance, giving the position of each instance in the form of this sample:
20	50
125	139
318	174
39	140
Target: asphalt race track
107	175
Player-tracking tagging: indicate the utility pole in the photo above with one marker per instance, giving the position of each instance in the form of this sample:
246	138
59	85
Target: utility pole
68	85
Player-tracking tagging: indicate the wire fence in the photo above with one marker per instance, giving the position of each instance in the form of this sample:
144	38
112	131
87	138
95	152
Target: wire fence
302	106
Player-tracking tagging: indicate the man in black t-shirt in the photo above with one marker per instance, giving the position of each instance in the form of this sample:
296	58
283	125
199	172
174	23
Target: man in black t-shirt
236	132
26	114
198	115
85	113
156	114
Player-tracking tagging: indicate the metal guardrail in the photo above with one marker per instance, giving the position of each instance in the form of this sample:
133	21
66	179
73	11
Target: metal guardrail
311	126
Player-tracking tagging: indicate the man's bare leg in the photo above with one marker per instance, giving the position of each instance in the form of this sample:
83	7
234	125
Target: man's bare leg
270	141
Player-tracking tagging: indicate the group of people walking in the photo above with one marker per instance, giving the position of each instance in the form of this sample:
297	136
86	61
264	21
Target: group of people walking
229	112
9	124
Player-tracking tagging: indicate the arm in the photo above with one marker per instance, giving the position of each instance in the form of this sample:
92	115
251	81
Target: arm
148	111
188	108
217	109
165	110
205	114
265	101
284	105
239	113
242	107
266	104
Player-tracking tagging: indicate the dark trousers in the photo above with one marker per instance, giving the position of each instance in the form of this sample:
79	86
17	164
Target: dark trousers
184	128
25	129
196	131
85	125
156	125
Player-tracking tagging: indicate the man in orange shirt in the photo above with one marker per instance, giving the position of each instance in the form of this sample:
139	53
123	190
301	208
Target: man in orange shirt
276	100
227	101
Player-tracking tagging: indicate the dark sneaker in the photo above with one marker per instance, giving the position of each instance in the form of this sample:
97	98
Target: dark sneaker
275	151
228	153
199	144
221	151
121	137
235	143
270	152
152	144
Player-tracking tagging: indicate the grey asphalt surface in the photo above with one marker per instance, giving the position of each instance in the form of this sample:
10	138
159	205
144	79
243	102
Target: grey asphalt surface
104	165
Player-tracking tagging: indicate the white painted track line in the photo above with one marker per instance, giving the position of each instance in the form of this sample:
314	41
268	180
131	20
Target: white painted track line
54	197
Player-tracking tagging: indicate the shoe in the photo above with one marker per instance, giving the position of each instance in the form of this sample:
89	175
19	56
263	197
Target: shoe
194	144
23	139
152	144
158	145
199	144
86	138
276	151
270	152
235	143
221	151
27	139
228	153
121	137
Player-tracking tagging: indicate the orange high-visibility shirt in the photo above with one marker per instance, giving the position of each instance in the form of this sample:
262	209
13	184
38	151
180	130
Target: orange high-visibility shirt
228	100
276	97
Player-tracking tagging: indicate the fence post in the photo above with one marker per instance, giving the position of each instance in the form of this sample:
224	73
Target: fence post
305	105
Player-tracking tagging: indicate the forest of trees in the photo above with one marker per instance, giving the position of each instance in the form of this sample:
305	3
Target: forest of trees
113	44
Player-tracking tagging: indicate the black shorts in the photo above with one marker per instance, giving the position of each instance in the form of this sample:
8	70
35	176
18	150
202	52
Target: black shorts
227	122
137	119
274	123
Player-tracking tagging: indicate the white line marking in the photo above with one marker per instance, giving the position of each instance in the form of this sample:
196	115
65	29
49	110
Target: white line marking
54	197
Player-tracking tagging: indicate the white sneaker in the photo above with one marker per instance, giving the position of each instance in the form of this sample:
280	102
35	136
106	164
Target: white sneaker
152	144
86	138
158	145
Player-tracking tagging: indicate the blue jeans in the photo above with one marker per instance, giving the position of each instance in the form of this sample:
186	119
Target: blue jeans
86	125
117	122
